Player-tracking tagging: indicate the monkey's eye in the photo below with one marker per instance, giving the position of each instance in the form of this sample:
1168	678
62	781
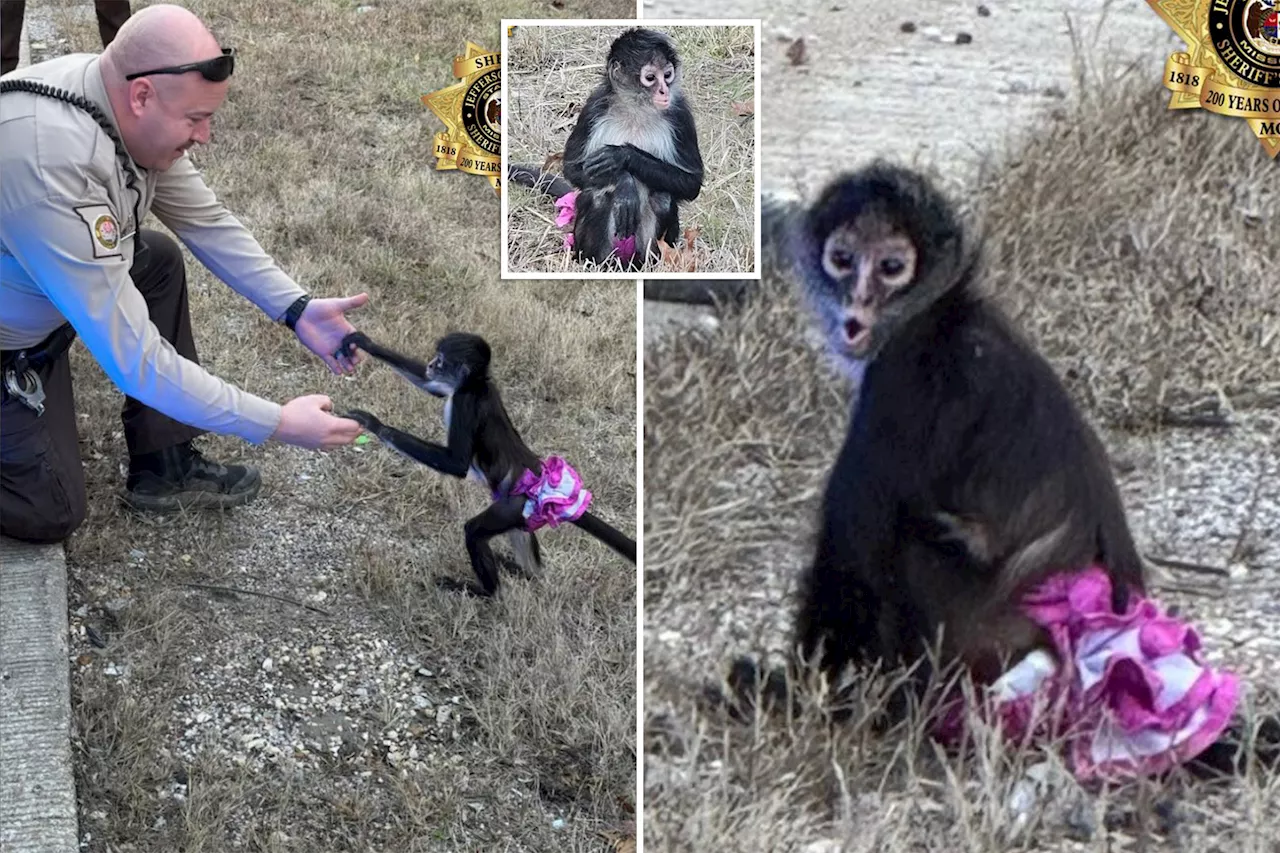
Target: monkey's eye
647	78
895	270
669	73
841	259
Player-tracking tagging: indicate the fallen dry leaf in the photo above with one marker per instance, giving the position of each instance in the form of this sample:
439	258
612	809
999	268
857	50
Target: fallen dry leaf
667	252
553	162
744	108
690	234
621	840
797	53
678	260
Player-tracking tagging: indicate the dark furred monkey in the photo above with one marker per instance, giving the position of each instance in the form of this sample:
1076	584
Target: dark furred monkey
482	441
968	475
633	154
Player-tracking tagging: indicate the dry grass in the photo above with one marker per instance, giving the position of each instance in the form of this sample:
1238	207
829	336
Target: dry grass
1133	244
324	150
551	71
1134	265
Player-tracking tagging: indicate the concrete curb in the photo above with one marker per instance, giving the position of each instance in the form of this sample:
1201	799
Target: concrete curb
37	785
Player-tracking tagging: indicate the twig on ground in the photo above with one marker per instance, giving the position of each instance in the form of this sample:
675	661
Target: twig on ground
237	591
1199	568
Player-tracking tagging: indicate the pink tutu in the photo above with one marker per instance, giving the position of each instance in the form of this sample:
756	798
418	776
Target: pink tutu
554	496
1131	696
566	213
566	208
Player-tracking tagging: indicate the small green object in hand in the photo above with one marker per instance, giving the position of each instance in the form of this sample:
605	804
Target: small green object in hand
362	439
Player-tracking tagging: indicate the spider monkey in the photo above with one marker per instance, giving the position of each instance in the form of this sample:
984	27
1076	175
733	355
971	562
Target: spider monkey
633	154
968	475
482	442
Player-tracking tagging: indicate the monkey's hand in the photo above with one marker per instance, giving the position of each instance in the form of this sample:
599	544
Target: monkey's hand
366	420
354	341
604	165
322	327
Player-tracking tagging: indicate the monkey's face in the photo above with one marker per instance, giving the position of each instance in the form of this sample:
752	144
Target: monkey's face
441	378
459	357
657	78
871	266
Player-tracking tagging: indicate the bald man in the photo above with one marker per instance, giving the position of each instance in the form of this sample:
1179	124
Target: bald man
85	159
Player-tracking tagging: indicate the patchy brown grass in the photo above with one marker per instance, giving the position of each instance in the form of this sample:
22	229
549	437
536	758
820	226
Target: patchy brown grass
551	71
1128	241
1131	241
390	715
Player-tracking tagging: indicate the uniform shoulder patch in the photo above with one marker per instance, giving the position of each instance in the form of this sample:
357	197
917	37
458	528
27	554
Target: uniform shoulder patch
104	230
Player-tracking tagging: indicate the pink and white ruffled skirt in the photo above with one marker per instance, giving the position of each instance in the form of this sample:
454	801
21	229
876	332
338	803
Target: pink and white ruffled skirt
554	496
1130	693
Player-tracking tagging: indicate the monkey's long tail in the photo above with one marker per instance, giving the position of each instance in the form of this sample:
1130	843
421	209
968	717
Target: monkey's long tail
779	216
697	292
534	178
607	534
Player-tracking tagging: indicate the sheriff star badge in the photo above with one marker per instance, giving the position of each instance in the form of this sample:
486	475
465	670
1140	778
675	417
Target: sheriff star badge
472	113
1232	63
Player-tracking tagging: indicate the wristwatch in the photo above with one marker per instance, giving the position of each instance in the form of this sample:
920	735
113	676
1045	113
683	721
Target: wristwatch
294	311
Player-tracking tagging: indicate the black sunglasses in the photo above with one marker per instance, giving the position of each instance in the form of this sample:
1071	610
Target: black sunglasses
214	70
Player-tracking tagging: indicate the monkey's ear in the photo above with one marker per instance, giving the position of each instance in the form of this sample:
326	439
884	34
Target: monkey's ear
615	73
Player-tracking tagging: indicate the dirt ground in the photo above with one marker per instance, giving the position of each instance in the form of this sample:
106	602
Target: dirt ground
287	676
1068	165
865	87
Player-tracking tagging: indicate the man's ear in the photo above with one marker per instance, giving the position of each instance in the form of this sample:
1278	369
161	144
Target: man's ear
141	93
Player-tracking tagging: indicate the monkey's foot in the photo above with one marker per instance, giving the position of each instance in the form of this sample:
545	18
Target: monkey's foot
515	568
1232	753
464	587
749	692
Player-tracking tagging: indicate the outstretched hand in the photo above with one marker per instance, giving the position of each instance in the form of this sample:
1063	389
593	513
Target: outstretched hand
322	327
309	422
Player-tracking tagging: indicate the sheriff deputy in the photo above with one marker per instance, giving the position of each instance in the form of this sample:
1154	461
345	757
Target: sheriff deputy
89	144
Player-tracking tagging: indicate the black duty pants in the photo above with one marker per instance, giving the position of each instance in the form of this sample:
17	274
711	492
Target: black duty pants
42	495
111	16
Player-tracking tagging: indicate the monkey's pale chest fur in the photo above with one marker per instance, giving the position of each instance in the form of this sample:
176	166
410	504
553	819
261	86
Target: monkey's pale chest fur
641	126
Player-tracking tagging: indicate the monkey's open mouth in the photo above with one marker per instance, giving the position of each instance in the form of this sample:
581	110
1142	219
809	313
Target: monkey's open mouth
856	335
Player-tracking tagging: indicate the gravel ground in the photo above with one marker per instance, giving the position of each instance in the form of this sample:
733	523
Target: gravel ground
1203	497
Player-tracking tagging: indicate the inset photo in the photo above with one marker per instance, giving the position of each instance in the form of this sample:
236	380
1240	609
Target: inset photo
630	149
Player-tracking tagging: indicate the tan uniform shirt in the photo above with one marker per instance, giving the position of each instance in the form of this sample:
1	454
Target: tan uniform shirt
67	240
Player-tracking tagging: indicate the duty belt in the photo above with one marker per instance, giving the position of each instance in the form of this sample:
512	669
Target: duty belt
22	367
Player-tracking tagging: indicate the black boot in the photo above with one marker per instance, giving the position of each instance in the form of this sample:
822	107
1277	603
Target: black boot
179	477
